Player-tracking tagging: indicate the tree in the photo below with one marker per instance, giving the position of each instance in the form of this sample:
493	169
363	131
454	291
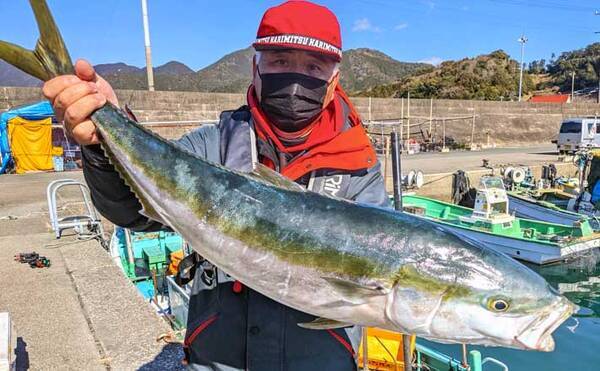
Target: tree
584	62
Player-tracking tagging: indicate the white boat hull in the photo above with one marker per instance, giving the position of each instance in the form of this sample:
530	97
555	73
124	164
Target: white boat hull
530	210
532	252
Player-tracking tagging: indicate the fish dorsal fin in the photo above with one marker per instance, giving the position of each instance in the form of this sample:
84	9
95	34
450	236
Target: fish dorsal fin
261	172
353	290
324	324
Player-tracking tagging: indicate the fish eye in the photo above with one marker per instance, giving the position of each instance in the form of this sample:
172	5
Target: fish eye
498	304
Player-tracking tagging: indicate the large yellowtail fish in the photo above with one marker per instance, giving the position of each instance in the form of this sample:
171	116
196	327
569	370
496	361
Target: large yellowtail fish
343	262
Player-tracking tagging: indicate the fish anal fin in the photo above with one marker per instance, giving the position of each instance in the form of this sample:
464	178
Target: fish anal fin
323	324
263	173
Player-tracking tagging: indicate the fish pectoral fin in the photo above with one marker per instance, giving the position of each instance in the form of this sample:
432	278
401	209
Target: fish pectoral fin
263	173
324	324
353	290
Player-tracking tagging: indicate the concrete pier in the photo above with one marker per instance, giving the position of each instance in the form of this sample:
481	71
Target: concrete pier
81	313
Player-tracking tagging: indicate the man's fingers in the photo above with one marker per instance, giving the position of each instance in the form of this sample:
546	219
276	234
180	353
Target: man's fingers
82	109
56	85
71	95
84	70
85	133
105	88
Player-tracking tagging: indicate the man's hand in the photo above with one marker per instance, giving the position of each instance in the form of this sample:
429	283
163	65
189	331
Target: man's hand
76	97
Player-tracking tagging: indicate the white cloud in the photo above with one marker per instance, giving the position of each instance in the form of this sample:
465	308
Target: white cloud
432	60
364	24
401	26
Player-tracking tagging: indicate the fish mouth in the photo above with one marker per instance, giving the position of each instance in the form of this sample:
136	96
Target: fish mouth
538	334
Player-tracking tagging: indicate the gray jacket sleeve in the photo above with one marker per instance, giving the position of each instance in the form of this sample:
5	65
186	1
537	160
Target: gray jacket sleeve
113	198
369	188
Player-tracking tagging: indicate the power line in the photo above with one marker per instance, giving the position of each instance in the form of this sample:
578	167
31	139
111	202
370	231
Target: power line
545	5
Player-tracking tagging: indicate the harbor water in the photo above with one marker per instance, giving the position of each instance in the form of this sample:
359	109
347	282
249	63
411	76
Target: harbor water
576	340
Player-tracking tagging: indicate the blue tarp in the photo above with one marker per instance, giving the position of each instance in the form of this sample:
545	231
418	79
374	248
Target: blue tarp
36	111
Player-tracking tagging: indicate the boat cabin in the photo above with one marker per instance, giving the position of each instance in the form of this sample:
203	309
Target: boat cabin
491	202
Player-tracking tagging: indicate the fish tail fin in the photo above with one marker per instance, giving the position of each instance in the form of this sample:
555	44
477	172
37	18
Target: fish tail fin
50	57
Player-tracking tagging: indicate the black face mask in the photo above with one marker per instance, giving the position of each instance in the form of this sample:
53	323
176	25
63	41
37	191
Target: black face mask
291	100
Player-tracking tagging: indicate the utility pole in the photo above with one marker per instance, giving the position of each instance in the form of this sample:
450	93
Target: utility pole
408	117
522	40
401	118
572	86
430	116
472	130
149	71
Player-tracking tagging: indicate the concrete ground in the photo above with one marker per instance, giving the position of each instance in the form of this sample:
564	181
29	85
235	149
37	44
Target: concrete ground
436	162
81	313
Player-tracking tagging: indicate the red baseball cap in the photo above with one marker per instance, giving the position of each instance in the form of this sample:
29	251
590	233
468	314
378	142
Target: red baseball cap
300	25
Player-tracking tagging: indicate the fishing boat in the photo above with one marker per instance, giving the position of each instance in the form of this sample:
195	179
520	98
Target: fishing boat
149	259
564	202
547	205
545	199
491	225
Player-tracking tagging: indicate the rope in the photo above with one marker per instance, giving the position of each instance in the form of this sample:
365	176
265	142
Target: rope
437	180
100	237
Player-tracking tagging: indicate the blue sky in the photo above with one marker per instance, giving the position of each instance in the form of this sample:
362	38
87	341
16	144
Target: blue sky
199	32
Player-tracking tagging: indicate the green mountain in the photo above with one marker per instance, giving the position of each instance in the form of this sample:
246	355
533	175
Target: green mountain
360	69
494	76
363	69
12	76
170	76
230	74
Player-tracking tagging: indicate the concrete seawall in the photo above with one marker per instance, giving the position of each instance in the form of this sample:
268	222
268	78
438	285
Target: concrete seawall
504	123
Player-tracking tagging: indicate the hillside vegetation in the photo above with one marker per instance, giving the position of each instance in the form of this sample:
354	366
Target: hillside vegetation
363	69
494	76
585	63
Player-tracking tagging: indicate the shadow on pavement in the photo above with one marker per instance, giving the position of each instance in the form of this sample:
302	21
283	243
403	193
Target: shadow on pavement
22	355
169	358
545	153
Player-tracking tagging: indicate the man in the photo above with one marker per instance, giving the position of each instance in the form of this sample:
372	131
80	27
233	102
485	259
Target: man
297	121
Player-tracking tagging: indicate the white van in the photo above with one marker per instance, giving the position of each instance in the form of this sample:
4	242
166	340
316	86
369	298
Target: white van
578	133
